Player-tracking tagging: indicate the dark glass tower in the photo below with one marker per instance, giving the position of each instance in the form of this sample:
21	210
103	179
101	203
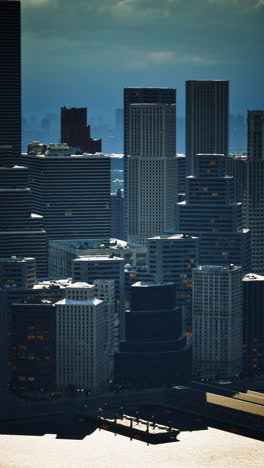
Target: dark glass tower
75	131
21	233
207	118
10	78
155	351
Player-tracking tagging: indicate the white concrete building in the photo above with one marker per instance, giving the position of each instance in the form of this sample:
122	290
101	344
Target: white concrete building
217	321
81	338
151	171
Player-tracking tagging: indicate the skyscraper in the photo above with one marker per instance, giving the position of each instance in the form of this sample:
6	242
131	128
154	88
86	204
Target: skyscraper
255	134
211	213
72	192
10	77
80	338
254	206
151	167
75	131
141	96
253	324
217	321
207	118
21	232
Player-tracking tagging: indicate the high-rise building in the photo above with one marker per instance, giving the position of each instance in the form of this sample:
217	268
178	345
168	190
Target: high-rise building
140	96
98	267
171	259
211	213
255	144
217	321
17	272
254	204
21	233
253	324
10	78
151	169
33	340
72	192
80	338
155	351
76	133
207	118
117	215
105	290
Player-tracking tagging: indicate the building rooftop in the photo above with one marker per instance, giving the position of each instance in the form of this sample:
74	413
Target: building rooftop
150	284
83	244
253	277
173	237
57	284
80	285
15	259
230	267
89	302
99	258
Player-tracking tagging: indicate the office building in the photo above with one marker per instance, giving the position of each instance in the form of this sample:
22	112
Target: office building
253	324
140	96
155	351
117	215
80	339
171	259
207	118
62	252
21	232
211	213
10	78
217	321
33	351
105	290
181	173
255	144
254	205
151	169
17	272
236	166
72	192
98	267
75	131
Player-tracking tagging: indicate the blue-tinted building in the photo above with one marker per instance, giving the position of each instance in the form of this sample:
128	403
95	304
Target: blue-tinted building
211	213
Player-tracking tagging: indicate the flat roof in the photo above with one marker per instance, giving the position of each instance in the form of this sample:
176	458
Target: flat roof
253	277
91	302
94	258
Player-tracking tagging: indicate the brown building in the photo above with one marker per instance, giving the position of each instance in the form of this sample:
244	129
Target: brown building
75	131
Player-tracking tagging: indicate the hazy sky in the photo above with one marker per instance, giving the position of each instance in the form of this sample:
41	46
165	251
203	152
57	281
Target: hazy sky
84	52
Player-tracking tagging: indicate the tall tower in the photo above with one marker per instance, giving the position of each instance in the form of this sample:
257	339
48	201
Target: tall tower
10	77
21	232
217	321
256	134
254	205
75	131
211	213
207	118
140	96
151	167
